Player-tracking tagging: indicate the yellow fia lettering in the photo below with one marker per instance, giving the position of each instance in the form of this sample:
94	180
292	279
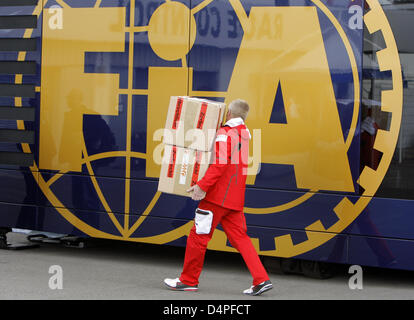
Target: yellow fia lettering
67	92
312	140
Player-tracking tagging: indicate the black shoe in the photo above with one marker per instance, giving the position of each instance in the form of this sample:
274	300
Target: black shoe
259	289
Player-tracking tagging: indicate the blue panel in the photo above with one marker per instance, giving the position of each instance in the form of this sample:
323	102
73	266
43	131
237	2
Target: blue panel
390	218
108	166
380	252
142	192
154	226
78	191
105	134
51	220
99	136
173	206
139	124
18	186
334	251
6	78
18	216
278	114
144	10
318	207
139	135
276	176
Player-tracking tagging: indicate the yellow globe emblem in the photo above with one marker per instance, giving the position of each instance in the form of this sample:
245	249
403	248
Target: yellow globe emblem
179	43
174	45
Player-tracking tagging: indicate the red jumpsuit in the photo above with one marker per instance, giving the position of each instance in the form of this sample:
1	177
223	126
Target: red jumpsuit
224	184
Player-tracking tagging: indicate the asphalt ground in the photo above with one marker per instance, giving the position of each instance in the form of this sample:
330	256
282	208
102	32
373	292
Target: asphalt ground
115	270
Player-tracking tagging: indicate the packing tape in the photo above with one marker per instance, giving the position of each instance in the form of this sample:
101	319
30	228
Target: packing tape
177	113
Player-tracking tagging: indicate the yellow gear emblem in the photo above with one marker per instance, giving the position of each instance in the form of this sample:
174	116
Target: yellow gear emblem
391	101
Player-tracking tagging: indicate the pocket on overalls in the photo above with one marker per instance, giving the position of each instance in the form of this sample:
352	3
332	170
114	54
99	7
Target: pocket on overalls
203	220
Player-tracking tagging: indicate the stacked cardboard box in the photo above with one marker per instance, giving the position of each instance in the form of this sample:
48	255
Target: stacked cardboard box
189	135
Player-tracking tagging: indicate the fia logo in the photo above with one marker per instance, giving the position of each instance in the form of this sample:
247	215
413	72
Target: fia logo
287	67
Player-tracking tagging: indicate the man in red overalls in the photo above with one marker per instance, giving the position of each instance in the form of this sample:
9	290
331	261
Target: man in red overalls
221	192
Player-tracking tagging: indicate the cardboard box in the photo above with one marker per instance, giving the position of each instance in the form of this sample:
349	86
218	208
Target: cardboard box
182	168
192	122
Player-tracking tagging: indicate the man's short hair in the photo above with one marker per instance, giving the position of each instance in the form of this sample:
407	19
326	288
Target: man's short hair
239	108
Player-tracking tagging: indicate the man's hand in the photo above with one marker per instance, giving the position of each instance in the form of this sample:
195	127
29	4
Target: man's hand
198	193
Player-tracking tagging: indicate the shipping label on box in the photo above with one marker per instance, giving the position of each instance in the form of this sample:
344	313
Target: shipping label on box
182	168
192	122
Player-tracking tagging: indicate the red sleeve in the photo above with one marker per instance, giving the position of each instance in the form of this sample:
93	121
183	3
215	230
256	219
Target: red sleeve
220	161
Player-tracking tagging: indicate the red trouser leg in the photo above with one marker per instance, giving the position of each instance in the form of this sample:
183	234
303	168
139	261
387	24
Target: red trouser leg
197	246
234	225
